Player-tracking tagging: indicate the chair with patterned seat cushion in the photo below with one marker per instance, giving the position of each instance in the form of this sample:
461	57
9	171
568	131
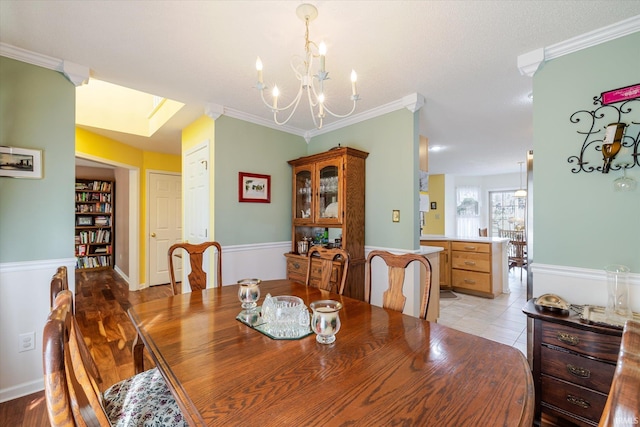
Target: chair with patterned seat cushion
71	392
59	283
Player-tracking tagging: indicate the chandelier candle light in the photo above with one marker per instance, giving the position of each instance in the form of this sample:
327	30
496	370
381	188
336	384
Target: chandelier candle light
312	84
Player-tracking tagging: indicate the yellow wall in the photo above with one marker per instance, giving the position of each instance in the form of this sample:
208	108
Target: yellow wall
435	217
105	148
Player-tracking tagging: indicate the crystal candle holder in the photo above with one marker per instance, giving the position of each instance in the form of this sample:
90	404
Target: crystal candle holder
325	320
249	293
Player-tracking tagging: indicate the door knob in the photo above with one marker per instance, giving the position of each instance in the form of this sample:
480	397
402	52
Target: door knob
153	234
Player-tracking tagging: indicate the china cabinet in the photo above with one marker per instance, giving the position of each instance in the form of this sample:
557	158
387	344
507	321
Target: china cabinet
328	209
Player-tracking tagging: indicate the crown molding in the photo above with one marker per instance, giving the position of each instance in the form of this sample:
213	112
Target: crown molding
76	73
213	110
412	102
530	62
237	114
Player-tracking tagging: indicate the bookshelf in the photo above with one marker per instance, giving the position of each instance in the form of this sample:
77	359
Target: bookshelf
95	235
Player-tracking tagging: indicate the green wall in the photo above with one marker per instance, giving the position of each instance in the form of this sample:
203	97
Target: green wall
392	175
37	111
578	219
245	147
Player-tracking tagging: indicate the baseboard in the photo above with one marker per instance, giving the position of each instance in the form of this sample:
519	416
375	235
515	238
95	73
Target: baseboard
20	390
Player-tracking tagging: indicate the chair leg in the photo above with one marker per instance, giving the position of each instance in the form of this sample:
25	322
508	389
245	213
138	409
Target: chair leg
138	357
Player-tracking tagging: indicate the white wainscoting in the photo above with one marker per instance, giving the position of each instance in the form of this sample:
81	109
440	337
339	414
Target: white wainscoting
579	285
24	307
264	261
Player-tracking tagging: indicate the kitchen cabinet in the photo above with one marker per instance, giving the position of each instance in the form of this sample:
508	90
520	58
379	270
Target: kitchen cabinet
445	266
573	365
328	194
472	266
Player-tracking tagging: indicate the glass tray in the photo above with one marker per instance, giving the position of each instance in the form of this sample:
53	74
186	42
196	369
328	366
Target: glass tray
253	319
595	315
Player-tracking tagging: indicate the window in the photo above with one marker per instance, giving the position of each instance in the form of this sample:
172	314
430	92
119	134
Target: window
467	211
506	212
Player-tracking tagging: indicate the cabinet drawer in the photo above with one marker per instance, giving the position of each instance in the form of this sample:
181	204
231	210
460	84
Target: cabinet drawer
471	261
577	400
471	247
596	345
471	280
316	272
297	269
579	370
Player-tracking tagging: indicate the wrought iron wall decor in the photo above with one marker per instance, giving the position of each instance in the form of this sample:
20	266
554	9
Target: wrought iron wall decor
611	130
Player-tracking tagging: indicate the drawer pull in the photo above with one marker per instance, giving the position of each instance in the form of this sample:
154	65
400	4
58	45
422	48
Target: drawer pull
469	263
470	248
578	401
296	266
469	281
568	338
578	371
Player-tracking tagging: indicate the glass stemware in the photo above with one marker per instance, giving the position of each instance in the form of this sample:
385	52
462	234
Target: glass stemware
249	293
325	321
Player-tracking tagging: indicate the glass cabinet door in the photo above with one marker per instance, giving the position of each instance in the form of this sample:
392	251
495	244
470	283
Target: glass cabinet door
303	194
329	176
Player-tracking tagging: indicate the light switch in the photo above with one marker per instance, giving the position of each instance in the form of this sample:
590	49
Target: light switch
396	216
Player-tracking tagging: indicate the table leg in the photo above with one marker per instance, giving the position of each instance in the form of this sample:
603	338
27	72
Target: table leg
138	358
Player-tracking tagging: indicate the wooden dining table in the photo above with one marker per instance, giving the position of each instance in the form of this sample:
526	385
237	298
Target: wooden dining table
384	368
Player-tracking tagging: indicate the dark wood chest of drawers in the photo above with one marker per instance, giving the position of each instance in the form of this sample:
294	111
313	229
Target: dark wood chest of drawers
573	365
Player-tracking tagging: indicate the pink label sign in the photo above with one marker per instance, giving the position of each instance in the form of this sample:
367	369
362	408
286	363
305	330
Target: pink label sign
622	94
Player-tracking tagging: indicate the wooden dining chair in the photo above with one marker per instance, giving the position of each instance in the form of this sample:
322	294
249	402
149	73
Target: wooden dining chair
321	264
197	277
72	395
483	232
623	403
59	282
393	297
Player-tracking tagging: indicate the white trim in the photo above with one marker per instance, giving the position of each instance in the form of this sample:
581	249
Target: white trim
579	273
47	264
530	62
76	73
254	246
20	390
237	114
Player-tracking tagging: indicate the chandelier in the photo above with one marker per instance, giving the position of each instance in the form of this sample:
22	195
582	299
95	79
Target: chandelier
310	84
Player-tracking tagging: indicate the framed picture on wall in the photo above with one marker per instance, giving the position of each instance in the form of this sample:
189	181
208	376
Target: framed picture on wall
254	188
20	162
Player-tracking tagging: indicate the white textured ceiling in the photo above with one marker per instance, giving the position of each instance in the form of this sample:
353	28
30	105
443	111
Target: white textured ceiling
460	55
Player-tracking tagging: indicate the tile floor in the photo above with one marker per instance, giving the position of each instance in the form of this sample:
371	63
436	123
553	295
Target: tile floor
500	319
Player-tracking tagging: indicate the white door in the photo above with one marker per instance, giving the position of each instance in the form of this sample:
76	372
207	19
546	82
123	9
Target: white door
197	170
165	223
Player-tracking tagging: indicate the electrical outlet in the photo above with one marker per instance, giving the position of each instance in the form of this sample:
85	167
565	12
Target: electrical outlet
27	342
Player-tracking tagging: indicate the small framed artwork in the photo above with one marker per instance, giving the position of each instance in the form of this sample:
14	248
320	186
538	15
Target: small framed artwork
20	162
254	188
84	221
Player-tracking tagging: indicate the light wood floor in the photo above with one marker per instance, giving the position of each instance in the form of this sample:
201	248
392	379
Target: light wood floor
102	301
